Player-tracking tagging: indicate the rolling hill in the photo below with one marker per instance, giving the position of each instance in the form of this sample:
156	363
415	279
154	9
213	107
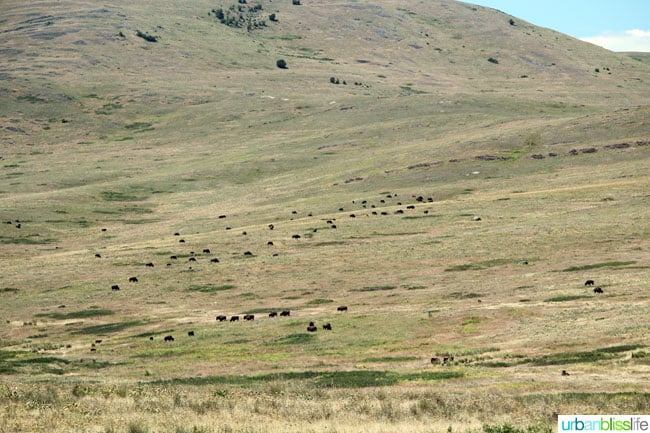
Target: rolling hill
451	174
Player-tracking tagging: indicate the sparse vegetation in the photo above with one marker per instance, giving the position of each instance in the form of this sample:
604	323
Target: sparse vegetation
119	153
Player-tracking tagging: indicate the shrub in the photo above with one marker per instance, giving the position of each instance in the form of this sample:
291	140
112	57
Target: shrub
281	63
273	18
296	2
493	60
147	37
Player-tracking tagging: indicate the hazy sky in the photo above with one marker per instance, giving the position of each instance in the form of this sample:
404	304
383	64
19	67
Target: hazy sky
618	25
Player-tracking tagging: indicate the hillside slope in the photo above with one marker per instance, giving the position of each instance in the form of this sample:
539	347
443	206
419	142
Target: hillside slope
450	173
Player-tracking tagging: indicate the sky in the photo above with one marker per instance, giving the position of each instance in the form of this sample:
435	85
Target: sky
618	25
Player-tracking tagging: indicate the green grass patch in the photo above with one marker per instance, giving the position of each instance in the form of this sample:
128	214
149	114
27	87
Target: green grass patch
598	265
119	196
26	241
31	98
323	379
9	290
477	266
464	295
294	339
415	217
373	288
582	357
138	126
107	328
209	288
390	359
320	301
91	312
565	298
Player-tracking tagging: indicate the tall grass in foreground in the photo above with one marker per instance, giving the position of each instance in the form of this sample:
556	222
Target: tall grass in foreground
288	406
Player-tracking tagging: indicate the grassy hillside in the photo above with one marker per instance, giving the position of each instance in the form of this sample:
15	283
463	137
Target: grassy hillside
451	174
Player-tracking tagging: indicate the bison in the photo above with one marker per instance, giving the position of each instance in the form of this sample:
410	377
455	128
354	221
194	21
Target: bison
169	338
221	318
312	327
115	287
598	290
190	333
327	326
589	283
249	317
273	314
342	308
285	313
234	318
133	279
215	260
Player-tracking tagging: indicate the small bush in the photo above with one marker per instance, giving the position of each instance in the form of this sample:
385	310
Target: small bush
147	37
296	2
493	60
281	63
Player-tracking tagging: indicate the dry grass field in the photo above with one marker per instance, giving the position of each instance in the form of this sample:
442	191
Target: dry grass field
451	174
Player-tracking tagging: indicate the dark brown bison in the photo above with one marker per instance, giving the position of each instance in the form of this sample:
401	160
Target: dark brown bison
598	290
149	265
327	326
169	338
206	250
190	333
115	287
99	256
312	327
285	313
342	308
296	236
234	318
589	283
273	314
133	279
215	260
221	318
249	317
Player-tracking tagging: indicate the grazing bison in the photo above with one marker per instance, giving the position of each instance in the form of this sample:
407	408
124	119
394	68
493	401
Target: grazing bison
192	259
206	250
234	318
598	290
133	279
565	373
181	241
215	260
190	333
285	313
99	256
296	236
435	360
150	338
115	287
589	283
269	243
273	314
271	226
342	308
222	216
173	257
327	326
149	265
221	318
312	327
98	341
410	207
177	234
249	317
169	338
248	253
